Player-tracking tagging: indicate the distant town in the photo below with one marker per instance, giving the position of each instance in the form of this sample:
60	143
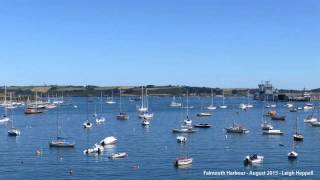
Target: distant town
264	91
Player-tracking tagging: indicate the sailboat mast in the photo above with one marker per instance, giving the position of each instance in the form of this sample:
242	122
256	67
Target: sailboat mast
187	103
223	97
142	103
211	96
101	102
5	101
147	100
120	104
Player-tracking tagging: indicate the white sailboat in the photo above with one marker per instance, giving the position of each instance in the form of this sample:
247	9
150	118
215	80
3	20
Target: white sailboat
5	118
121	115
147	114
174	103
111	101
211	106
292	155
223	106
142	109
87	124
203	113
100	119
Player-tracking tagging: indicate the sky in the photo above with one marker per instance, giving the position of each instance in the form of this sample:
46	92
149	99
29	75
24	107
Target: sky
214	43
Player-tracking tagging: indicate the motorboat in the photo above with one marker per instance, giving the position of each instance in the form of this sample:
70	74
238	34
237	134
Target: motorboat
310	119
202	125
204	114
50	106
181	139
183	161
292	155
223	107
14	132
236	128
253	159
273	105
108	141
293	109
119	155
62	142
271	113
96	149
122	116
289	105
272	132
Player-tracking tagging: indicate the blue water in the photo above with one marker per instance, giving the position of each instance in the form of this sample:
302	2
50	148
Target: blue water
152	150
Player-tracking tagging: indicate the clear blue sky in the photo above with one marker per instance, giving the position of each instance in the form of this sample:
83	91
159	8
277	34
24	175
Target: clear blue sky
219	43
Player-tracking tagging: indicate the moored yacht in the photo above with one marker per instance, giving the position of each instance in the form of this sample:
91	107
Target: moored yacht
253	159
183	161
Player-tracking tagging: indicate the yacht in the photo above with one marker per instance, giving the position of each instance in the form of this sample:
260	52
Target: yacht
236	128
184	129
308	106
297	136
87	124
111	101
142	108
211	106
145	122
96	149
202	125
310	119
121	115
223	106
62	142
204	114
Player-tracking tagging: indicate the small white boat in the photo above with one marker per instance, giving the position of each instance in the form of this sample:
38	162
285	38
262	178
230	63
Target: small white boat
183	161
272	132
211	107
308	106
50	106
118	155
315	123
146	115
181	139
310	119
292	155
188	122
223	107
145	122
100	120
87	124
300	108
249	106
4	119
174	103
253	159
14	132
96	149
202	114
75	106
110	101
273	105
108	141
243	106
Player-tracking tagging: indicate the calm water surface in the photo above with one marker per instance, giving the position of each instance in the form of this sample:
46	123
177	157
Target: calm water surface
152	150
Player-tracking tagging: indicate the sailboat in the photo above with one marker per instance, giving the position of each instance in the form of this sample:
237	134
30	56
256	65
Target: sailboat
174	103
142	109
187	126
100	119
297	136
87	123
265	126
293	154
5	118
147	114
111	101
211	106
317	122
13	131
60	141
236	128
121	115
248	99
33	109
202	113
223	106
